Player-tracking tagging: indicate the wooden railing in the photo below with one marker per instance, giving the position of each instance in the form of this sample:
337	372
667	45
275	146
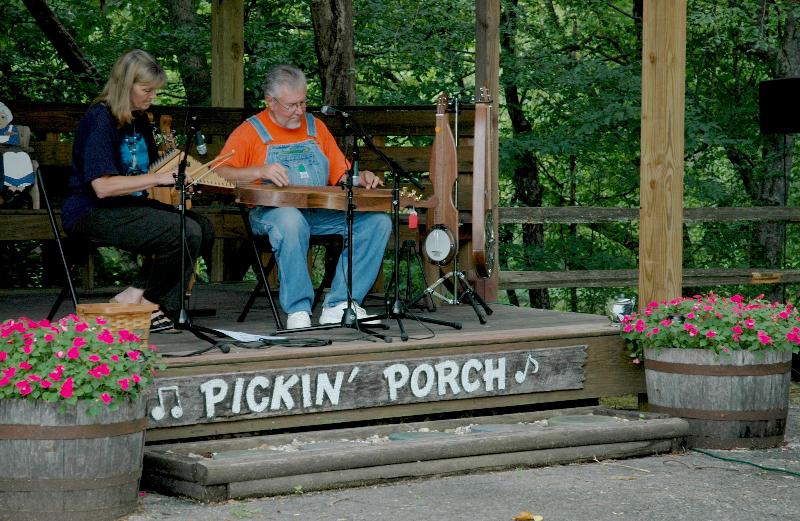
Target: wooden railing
630	277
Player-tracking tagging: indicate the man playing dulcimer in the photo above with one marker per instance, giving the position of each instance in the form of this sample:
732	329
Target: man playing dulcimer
284	145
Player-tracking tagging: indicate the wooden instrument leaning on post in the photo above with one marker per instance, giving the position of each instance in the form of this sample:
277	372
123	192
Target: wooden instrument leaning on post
441	243
482	214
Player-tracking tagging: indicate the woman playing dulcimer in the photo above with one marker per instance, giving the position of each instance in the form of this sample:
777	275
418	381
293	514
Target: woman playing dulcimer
107	202
284	145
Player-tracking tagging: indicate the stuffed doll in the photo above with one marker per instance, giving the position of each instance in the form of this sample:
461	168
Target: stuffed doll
16	168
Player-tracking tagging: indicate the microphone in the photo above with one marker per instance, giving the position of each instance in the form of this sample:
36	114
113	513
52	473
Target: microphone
200	141
356	180
333	111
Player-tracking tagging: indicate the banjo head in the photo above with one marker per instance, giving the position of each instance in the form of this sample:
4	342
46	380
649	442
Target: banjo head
440	246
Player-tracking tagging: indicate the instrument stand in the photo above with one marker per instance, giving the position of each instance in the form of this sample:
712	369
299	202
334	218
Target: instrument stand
182	320
397	309
467	293
349	317
459	280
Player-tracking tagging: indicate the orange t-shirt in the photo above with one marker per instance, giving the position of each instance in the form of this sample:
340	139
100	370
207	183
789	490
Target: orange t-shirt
252	151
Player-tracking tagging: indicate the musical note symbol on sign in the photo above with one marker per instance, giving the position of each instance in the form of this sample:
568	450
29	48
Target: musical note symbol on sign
159	411
520	376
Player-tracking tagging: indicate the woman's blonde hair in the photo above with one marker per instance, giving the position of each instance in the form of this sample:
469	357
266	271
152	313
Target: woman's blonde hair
135	66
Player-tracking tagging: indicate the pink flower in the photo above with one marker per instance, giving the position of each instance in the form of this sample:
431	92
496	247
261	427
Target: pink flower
45	383
750	323
106	398
115	358
5	381
134	355
136	378
48	337
3	356
763	337
106	337
81	327
79	341
628	328
66	388
25	365
73	353
100	371
94	358
737	299
100	321
24	387
10	371
737	329
640	326
60	354
711	333
124	384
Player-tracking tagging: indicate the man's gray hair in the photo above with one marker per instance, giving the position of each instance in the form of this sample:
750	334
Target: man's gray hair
283	76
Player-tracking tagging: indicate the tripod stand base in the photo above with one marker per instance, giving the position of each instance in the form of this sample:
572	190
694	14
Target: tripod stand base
468	293
399	311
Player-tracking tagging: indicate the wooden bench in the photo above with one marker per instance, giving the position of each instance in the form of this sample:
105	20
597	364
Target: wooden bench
403	133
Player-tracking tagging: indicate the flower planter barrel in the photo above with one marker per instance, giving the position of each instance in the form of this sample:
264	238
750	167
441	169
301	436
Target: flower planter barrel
66	465
736	400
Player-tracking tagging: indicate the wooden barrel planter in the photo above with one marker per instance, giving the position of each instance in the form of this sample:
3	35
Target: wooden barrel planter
66	465
741	400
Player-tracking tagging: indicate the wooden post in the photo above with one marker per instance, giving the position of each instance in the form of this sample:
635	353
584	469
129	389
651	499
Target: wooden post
487	74
227	52
661	174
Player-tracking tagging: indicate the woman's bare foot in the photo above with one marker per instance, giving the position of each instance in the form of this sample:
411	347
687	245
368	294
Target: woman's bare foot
130	295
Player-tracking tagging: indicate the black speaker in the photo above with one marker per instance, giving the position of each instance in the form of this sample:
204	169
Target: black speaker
779	106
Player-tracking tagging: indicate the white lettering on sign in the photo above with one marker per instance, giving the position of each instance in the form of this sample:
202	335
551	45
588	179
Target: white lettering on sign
444	375
275	392
214	391
258	382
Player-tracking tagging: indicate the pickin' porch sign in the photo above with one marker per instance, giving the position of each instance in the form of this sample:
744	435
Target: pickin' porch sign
302	390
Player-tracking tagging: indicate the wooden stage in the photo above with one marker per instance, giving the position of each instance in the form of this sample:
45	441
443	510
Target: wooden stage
521	356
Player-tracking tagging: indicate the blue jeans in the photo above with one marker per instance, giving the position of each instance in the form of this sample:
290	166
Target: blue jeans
289	230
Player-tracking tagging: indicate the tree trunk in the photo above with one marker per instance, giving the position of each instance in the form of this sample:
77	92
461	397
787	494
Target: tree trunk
192	61
64	43
333	40
527	188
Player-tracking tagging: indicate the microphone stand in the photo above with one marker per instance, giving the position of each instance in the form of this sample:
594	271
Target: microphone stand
398	310
182	321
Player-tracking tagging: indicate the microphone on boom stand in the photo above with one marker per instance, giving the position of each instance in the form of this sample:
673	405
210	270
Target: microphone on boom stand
182	321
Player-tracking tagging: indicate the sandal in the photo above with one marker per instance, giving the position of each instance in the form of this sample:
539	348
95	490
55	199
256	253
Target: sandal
160	322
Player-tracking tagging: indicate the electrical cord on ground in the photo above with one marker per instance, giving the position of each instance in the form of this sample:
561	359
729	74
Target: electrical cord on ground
226	346
734	460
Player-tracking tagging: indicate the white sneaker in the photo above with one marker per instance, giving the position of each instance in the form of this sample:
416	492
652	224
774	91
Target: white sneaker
333	314
298	320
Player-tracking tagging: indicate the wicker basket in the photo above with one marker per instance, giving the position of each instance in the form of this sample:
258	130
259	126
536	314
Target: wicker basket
133	317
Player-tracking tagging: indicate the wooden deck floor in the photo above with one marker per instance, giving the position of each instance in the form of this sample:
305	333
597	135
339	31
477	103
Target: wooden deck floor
520	356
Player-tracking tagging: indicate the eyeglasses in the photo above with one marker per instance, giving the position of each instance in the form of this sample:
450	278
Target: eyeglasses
292	106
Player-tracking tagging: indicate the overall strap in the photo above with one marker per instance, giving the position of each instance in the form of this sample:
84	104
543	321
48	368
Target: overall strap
311	125
263	133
